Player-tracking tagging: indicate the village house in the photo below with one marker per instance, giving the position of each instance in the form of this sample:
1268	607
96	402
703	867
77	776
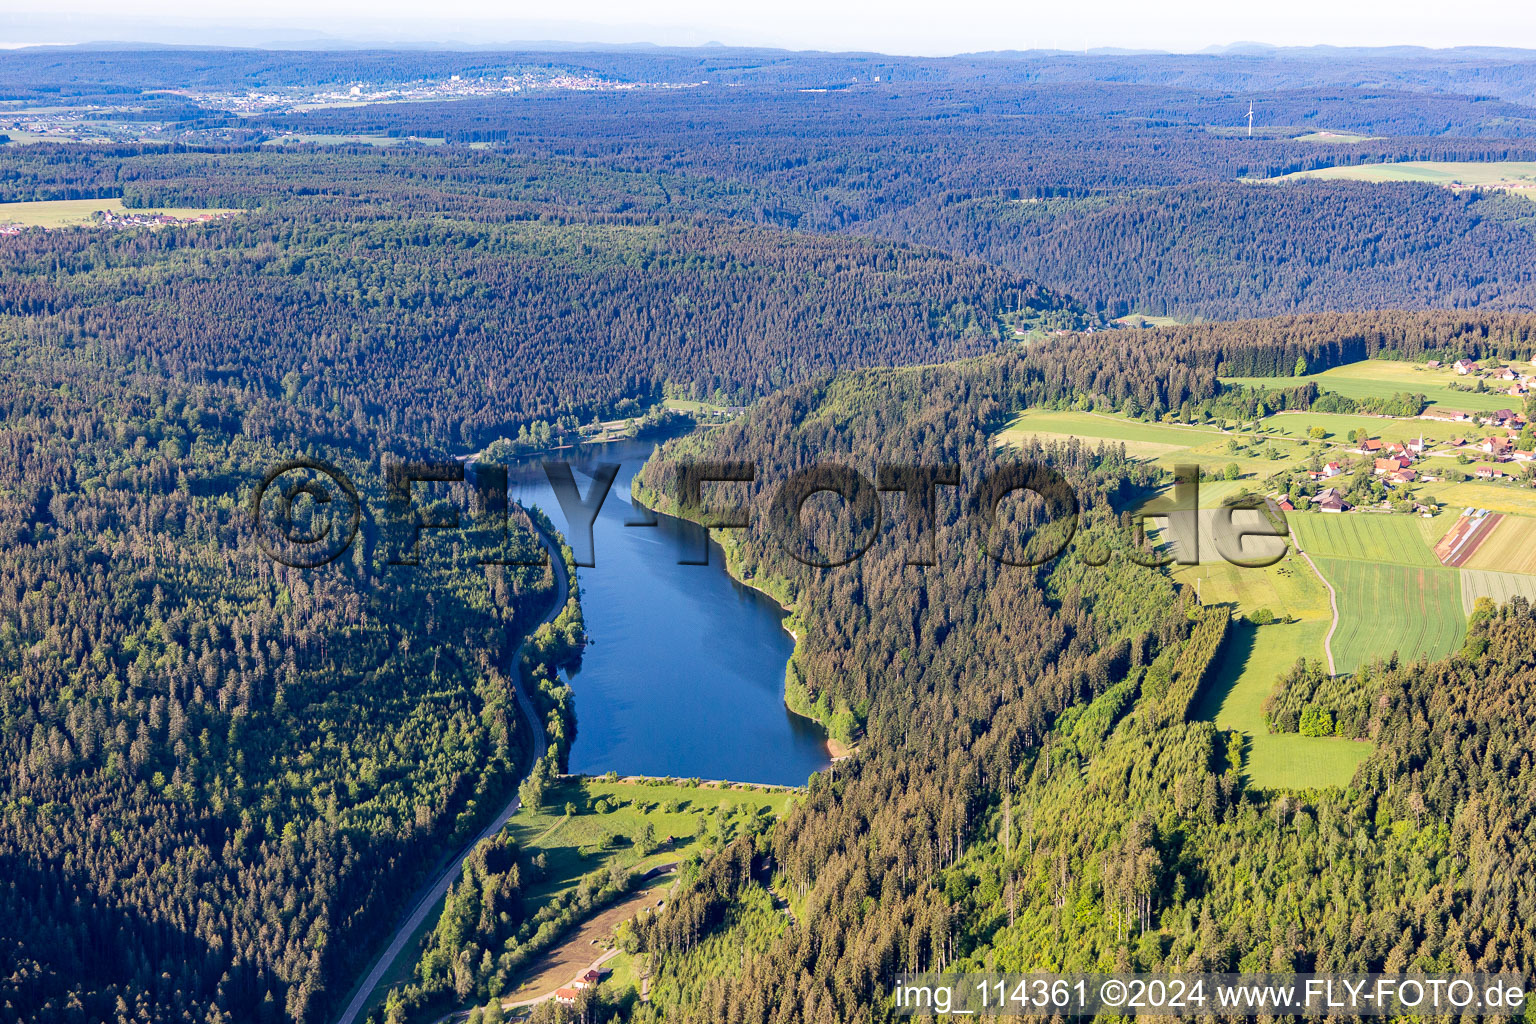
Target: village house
1390	465
1434	364
1487	473
1523	456
588	979
1507	373
1463	366
1498	447
1332	470
1369	446
1404	476
1502	418
1330	500
1284	504
566	996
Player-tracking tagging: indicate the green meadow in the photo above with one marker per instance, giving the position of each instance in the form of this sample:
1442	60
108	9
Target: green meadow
1253	660
606	819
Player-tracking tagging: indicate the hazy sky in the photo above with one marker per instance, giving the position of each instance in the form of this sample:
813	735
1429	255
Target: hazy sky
890	26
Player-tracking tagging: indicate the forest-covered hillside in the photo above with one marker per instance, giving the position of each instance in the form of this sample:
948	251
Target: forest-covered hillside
1034	790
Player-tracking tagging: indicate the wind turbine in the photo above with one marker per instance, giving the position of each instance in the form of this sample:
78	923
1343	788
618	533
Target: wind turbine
1250	119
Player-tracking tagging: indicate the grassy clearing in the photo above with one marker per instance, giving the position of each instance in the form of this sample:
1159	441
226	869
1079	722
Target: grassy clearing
1334	137
1382	378
578	844
1374	538
1511	547
1413	610
1167	444
63	213
1340	426
1501	586
687	405
1138	320
1254	658
1095	426
1450	173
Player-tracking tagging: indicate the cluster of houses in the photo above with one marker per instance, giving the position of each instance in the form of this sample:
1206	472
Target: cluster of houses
1520	384
135	219
1506	418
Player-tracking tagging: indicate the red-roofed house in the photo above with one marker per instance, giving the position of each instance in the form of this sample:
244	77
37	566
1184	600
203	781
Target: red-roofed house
1499	447
1463	366
566	995
1487	473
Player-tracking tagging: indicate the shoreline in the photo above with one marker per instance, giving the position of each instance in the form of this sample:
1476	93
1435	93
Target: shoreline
836	750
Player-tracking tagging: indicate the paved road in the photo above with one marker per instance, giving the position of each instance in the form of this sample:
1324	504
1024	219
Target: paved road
430	895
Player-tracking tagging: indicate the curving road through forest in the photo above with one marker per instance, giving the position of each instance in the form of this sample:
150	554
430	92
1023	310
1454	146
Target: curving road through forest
431	894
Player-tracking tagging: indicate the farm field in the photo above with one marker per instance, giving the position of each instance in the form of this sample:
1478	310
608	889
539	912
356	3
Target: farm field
62	213
1501	586
1511	548
1508	498
1382	378
1519	175
1341	425
1404	540
1165	443
1413	610
1254	658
